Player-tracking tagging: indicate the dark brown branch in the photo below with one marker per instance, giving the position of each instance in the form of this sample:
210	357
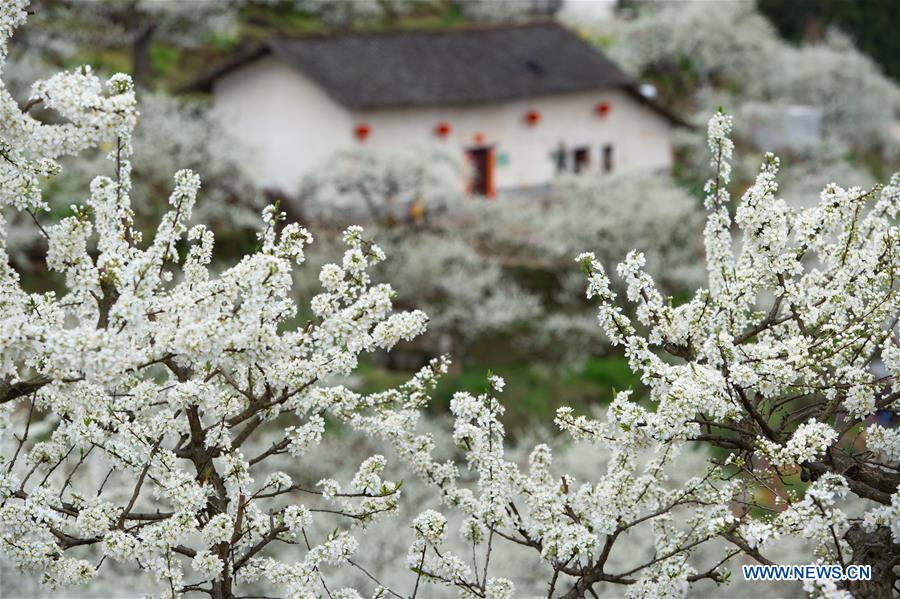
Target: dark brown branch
11	391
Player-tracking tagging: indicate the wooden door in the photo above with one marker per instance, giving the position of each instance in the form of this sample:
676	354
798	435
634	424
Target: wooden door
481	161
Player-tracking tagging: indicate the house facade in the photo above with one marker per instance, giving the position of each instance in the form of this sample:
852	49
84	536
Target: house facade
521	102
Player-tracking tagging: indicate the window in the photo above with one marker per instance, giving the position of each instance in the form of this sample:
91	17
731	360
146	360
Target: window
560	158
581	159
606	153
481	161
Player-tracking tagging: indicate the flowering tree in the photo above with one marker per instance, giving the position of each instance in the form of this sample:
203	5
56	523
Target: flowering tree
137	24
186	389
347	14
184	135
493	11
730	42
609	213
778	388
859	103
691	46
181	130
163	379
384	186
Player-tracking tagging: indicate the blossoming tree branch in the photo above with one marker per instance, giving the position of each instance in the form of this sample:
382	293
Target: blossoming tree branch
144	407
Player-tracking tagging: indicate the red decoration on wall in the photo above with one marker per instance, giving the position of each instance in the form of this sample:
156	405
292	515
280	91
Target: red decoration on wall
479	138
532	117
362	131
442	129
603	108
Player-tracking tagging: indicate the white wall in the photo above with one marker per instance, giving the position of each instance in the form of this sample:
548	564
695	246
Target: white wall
293	125
639	136
288	122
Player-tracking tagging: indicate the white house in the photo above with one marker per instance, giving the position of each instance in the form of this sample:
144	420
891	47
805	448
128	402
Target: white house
523	101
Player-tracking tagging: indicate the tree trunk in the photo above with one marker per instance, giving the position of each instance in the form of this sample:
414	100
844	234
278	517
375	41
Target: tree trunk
875	549
221	589
141	65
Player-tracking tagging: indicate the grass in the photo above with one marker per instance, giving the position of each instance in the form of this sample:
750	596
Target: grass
165	59
533	391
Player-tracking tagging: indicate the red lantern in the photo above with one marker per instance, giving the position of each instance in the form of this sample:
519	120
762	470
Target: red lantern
479	138
442	129
532	117
602	109
362	131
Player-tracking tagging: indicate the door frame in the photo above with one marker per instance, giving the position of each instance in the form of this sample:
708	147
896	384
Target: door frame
490	164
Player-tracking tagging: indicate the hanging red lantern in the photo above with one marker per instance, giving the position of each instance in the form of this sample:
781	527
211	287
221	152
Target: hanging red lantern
602	109
362	131
442	129
532	117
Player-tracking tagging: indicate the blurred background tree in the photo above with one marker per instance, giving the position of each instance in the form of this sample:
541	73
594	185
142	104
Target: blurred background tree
870	23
